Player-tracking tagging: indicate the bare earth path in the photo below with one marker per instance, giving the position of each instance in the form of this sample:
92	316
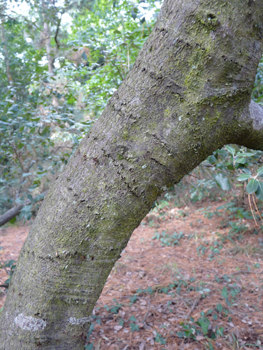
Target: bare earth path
157	290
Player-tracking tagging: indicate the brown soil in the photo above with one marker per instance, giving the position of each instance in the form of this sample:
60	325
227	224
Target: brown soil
225	284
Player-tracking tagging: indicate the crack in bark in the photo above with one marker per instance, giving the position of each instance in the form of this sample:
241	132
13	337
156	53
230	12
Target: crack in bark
121	176
163	144
171	153
162	165
128	185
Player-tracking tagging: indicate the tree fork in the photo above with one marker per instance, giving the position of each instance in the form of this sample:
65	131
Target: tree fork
187	94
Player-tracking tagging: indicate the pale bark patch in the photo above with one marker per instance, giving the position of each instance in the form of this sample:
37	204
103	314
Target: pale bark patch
78	321
256	114
29	323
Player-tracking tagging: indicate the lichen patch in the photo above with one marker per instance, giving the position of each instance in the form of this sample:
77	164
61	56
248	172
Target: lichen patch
78	321
29	323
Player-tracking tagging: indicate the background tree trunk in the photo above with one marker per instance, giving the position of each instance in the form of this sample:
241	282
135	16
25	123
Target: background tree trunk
6	55
187	94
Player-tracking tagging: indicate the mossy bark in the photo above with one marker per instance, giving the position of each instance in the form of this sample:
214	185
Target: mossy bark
187	94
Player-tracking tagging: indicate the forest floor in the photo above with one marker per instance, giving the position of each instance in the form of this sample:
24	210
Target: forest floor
189	278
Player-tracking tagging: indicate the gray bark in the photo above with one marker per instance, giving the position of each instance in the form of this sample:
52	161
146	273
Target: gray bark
5	49
187	95
50	54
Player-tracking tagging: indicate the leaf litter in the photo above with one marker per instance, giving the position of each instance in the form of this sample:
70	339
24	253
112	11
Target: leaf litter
182	282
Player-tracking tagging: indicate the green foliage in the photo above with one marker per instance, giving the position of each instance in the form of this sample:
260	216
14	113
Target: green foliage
113	309
89	346
159	339
215	248
9	267
202	326
133	299
230	162
113	35
44	114
28	148
168	240
201	189
133	325
222	182
230	294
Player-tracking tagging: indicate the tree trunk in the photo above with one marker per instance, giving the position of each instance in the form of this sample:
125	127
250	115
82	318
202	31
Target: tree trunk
187	94
50	54
6	54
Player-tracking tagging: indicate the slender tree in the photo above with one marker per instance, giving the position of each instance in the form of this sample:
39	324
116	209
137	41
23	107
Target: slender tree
187	94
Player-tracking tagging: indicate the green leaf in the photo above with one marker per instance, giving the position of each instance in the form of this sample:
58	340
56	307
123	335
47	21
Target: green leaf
20	146
244	177
204	325
241	160
4	123
230	149
14	108
219	307
210	346
252	186
212	159
134	327
246	154
230	167
260	172
220	331
246	171
12	221
222	182
132	318
26	174
259	192
224	293
45	131
37	182
9	263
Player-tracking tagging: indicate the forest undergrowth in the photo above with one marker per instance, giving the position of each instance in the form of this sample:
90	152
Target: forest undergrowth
191	277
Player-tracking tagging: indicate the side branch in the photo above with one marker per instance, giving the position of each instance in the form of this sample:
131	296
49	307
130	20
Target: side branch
252	119
13	212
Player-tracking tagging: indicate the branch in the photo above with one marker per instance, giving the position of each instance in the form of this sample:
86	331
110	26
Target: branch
256	114
57	30
117	69
252	119
4	285
10	214
24	18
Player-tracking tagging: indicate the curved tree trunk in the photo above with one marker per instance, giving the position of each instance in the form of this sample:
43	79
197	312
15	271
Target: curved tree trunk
187	95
